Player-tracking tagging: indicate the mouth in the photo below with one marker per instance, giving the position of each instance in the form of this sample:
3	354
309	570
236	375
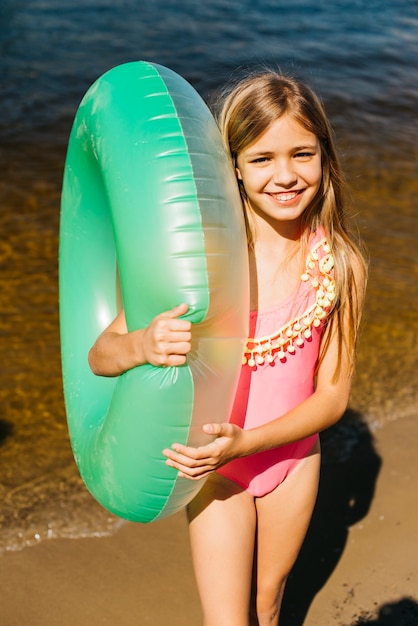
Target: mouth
286	197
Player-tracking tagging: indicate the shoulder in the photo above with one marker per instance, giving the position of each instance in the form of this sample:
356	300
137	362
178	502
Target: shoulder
319	252
316	236
319	245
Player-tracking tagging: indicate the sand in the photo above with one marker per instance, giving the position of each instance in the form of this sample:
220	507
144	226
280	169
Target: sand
359	563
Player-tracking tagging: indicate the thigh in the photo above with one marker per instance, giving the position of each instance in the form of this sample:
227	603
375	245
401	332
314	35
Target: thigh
283	519
222	522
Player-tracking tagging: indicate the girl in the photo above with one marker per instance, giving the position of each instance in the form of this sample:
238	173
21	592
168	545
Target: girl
307	281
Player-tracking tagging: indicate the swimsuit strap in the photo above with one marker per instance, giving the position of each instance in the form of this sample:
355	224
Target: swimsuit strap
266	349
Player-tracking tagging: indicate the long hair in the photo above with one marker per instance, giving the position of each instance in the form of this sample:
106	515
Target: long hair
247	110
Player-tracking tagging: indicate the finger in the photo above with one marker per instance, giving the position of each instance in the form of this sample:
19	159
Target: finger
205	453
179	327
193	473
174	354
172	329
212	429
174	360
184	455
175	347
219	430
191	477
181	335
181	309
191	466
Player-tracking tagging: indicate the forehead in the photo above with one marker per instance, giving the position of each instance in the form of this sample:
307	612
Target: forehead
285	132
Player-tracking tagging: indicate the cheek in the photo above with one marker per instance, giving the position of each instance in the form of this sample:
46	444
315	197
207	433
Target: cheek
254	181
316	176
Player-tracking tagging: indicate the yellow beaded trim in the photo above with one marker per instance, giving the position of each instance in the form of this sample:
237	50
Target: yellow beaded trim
265	349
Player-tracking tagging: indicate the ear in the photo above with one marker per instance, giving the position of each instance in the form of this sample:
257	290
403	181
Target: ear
238	173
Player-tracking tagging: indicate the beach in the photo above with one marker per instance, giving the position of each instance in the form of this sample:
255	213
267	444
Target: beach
142	574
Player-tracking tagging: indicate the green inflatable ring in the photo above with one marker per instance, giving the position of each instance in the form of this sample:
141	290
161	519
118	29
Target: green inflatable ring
151	217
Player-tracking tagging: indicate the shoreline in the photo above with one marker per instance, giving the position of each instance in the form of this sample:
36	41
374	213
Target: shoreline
359	559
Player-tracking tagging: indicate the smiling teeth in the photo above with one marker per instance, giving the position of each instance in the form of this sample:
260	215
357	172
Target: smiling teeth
285	196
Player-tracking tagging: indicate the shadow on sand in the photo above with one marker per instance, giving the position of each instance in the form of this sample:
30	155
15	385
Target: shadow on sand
350	466
401	613
6	430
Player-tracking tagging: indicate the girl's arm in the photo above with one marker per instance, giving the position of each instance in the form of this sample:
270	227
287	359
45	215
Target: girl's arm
318	412
165	342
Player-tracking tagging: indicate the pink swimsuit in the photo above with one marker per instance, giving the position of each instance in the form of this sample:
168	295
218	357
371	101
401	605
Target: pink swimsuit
279	369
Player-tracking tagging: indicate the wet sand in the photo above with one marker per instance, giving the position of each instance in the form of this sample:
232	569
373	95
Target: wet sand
143	574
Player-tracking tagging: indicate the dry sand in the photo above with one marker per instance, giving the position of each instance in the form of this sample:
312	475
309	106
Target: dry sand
143	574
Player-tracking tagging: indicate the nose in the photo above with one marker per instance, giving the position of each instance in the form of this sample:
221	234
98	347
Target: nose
284	174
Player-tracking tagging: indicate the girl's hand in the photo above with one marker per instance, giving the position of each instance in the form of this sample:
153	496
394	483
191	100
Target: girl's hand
167	340
196	463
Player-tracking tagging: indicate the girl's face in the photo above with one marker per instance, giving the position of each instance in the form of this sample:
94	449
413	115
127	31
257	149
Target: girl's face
281	171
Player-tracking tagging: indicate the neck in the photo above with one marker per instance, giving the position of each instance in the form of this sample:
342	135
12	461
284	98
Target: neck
280	238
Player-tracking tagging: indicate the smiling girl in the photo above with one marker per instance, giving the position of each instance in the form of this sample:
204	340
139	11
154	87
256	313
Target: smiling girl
307	282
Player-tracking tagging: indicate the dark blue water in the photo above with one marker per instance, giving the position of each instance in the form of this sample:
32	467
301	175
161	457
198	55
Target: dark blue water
360	54
362	58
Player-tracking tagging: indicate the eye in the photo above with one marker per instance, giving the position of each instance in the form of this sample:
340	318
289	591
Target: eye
305	154
261	159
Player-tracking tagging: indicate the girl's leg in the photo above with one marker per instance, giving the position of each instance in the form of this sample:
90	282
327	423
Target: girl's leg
283	519
222	521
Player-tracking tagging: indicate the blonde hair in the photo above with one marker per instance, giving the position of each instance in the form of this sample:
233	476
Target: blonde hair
247	110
